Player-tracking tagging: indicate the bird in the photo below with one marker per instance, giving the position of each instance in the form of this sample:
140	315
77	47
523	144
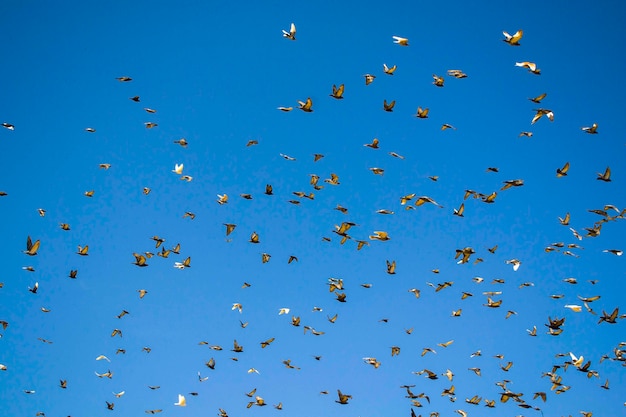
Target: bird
379	235
140	260
513	40
531	66
373	144
538	99
267	342
459	212
82	251
391	267
182	402
438	80
592	130
605	176
337	92
388	107
389	70
343	398
32	247
182	142
562	172
222	199
8	126
306	106
422	113
150	125
178	169
400	41
369	78
456	73
291	35
542	112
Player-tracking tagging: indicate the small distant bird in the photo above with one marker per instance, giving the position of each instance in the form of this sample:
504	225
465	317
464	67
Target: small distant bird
389	70
31	248
337	92
542	112
457	73
530	66
8	126
513	40
136	99
460	210
178	169
285	109
369	78
124	79
291	34
606	176
592	130
438	80
422	113
182	142
562	172
400	41
150	125
182	402
306	106
388	106
538	99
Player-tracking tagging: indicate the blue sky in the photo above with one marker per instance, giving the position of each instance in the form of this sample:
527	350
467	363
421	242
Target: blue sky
215	74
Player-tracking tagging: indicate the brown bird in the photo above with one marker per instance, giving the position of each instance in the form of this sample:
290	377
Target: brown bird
32	248
538	99
306	106
606	176
337	92
562	172
343	398
422	113
388	106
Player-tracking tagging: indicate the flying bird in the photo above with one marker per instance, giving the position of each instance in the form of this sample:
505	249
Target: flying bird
513	40
291	34
400	41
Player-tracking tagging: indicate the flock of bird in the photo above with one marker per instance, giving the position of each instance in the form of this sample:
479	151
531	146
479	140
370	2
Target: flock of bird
558	380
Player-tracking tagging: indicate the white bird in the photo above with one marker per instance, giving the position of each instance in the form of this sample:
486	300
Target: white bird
283	310
202	379
237	306
291	34
119	394
515	262
577	362
101	357
182	402
400	41
178	169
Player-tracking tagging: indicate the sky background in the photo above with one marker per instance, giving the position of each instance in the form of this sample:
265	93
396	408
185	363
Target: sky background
215	73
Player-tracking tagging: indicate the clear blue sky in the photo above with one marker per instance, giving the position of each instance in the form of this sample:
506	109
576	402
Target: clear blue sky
215	73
